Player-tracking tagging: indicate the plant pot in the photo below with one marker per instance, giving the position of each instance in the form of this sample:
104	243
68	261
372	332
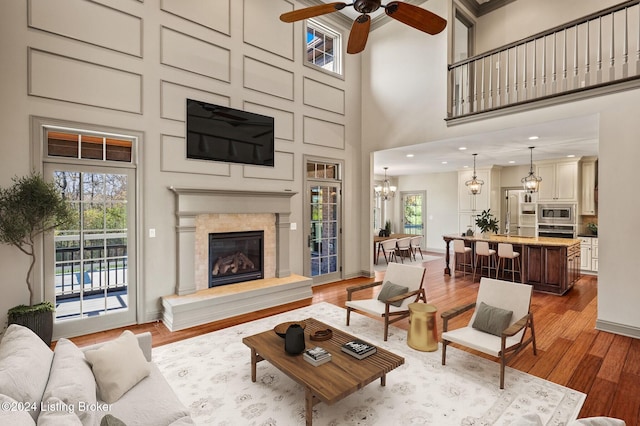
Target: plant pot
38	321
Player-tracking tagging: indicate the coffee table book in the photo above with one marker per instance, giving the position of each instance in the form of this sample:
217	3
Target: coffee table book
316	362
358	348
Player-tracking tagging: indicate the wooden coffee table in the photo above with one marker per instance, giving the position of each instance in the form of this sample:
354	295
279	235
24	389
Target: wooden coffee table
329	382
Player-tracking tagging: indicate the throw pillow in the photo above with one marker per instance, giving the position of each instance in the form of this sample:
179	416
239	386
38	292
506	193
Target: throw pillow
491	319
9	416
110	420
25	361
56	413
390	290
71	381
118	366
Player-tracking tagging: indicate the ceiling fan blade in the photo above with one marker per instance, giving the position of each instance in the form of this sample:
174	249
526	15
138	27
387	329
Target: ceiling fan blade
359	34
416	17
310	12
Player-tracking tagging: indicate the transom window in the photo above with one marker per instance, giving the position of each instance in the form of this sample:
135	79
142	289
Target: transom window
323	46
86	145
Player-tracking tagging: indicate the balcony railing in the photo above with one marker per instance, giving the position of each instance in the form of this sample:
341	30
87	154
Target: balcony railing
601	50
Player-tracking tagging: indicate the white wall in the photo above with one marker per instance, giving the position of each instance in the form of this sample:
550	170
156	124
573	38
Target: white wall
520	19
404	103
441	216
130	65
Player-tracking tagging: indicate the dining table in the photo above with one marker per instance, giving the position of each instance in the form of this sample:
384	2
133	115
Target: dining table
378	239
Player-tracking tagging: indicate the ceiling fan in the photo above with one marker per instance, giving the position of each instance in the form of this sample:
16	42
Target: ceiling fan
406	13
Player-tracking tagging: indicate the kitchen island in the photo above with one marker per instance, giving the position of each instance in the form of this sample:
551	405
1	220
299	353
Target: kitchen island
550	265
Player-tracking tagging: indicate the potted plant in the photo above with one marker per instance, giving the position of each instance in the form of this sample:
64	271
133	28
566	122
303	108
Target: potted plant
29	208
387	228
487	222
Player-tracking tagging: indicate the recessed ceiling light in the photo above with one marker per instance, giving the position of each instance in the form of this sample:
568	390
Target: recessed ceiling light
511	162
444	162
571	156
410	155
533	138
465	166
462	148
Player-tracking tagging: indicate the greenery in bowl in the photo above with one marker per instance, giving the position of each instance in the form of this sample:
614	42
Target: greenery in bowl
593	227
487	222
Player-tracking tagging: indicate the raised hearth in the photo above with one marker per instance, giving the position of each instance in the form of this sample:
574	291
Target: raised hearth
193	303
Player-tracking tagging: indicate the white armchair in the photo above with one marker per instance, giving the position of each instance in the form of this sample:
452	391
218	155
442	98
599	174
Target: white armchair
406	280
491	329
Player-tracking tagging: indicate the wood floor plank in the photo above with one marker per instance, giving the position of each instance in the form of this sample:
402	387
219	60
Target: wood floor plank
570	351
626	399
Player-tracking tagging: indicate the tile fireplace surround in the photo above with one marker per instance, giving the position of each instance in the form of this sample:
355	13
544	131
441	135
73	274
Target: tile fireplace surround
200	211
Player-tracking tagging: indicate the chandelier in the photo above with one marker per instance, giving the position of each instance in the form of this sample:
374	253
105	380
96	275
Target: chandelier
386	190
475	184
531	182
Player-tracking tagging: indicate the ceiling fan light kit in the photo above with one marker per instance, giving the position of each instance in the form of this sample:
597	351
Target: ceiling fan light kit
408	14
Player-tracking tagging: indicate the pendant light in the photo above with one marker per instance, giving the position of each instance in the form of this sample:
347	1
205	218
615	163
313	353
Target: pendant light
386	190
475	184
531	182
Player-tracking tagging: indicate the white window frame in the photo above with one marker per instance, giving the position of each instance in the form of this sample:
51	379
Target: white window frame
337	47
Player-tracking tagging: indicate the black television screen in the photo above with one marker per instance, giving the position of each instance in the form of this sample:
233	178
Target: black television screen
220	133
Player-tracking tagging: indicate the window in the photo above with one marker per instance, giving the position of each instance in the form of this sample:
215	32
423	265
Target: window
323	46
88	146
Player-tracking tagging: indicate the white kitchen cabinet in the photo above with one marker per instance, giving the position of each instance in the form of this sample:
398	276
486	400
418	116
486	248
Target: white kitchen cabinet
588	170
466	221
559	181
589	254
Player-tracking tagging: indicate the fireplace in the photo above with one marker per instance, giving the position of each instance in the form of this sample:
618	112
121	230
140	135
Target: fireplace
235	257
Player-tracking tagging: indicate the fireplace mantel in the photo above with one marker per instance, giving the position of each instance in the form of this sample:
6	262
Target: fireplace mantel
189	306
191	202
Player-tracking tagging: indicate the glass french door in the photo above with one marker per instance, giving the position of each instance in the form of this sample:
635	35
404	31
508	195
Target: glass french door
413	208
323	239
91	264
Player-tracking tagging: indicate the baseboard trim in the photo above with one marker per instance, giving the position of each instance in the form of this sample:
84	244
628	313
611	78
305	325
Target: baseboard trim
616	328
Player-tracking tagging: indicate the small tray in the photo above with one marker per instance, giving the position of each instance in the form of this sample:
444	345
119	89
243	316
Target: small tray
281	329
322	335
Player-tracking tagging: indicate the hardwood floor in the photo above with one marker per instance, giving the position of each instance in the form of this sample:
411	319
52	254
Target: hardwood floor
570	351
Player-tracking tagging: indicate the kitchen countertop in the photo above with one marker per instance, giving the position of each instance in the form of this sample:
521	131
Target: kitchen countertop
513	239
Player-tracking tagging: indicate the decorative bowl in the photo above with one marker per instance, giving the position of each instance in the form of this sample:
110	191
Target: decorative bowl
281	329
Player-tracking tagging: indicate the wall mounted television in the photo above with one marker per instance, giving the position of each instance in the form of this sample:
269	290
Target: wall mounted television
220	133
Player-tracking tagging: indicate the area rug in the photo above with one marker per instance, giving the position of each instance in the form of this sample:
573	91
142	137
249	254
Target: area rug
211	374
382	265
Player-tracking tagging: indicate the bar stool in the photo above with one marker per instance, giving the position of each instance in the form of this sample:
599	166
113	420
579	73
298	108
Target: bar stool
482	251
461	250
505	251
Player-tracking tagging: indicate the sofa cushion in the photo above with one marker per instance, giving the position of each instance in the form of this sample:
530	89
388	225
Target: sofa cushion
134	408
25	361
12	414
71	381
56	413
118	366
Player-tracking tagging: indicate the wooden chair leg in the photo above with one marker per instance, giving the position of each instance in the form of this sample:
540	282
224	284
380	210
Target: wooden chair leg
444	352
386	327
348	314
502	362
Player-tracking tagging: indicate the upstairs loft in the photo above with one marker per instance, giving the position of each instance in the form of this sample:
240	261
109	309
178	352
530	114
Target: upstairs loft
590	56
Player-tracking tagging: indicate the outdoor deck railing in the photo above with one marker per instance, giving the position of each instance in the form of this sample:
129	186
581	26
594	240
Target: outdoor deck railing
598	50
97	272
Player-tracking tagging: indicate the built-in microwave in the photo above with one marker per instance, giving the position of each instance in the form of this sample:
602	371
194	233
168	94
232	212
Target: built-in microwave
557	213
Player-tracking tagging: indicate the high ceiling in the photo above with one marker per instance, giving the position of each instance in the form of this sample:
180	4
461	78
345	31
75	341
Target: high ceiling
508	147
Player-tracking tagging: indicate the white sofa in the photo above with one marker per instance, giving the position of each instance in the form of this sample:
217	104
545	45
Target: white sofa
69	386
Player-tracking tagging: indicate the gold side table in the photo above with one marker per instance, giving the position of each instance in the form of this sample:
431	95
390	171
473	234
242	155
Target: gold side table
423	333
